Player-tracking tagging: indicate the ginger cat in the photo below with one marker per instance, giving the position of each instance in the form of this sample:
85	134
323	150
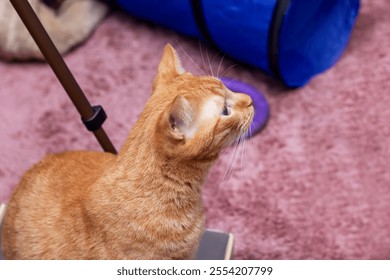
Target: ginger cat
145	202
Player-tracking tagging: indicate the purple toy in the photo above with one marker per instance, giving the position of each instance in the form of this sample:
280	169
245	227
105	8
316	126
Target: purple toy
259	103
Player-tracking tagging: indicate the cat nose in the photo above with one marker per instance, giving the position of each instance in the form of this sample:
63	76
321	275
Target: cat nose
245	100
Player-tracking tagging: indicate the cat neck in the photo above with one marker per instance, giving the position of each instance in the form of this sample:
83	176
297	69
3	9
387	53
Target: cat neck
140	154
140	160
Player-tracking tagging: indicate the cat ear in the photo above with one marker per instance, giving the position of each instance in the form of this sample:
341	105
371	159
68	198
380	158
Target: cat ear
181	119
170	64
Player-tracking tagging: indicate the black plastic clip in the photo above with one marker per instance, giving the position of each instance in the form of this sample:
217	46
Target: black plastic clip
97	120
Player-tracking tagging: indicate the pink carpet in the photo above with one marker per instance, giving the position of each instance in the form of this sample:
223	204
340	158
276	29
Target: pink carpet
314	184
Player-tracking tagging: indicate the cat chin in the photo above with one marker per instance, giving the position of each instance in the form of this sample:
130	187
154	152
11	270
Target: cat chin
239	137
231	140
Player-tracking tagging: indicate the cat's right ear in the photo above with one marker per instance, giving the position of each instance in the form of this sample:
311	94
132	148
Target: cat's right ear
181	119
170	65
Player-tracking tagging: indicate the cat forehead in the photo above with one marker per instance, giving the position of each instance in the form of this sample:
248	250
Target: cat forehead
211	108
204	83
213	84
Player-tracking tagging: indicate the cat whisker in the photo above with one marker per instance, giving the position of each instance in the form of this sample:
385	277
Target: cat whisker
230	168
240	145
224	178
212	60
242	152
220	64
227	175
197	66
210	67
201	54
228	69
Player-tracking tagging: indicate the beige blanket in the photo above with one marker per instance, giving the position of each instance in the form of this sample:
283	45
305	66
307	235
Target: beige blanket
68	25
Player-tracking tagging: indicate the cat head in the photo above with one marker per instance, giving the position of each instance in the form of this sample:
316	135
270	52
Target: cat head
198	115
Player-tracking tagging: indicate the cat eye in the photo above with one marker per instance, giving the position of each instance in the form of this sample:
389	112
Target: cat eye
225	110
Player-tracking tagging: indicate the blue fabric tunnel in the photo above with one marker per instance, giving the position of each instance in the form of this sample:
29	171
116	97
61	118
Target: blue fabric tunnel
290	39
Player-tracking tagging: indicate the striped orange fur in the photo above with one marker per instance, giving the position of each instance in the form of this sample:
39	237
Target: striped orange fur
144	203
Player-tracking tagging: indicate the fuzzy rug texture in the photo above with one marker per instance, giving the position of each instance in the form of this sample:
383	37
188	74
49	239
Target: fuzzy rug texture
314	184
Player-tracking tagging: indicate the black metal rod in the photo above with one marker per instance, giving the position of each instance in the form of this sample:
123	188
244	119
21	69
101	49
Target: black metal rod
61	70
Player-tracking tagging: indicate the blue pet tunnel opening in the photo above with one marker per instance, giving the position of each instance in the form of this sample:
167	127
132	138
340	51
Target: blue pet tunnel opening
313	36
293	40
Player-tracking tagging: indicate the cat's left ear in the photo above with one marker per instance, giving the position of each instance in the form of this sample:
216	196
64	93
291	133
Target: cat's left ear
181	119
170	64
